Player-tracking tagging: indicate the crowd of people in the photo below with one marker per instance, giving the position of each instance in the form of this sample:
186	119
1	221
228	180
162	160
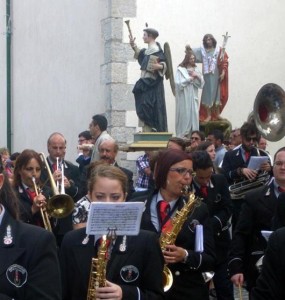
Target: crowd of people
220	234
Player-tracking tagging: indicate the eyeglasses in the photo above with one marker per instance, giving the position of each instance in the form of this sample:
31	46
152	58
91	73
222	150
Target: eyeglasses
182	171
195	138
253	138
279	163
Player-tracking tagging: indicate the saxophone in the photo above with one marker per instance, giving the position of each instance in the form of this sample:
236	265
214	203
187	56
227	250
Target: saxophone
97	276
170	237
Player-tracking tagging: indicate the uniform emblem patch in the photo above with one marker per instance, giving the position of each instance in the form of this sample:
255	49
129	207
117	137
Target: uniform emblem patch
129	273
17	275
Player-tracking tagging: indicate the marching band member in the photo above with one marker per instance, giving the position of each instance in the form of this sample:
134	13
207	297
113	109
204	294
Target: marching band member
29	267
28	166
214	190
235	163
173	172
257	214
135	263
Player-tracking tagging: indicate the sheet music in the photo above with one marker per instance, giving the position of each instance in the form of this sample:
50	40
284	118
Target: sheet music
124	217
256	161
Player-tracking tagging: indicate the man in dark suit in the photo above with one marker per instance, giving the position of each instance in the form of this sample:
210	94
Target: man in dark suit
29	267
108	151
270	284
257	214
235	163
214	190
69	184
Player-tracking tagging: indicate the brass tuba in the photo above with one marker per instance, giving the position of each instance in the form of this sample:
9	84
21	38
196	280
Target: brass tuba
269	112
59	205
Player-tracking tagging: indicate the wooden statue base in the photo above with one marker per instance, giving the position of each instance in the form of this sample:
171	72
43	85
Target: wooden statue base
224	125
144	141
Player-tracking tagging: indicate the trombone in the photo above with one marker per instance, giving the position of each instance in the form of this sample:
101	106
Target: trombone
43	211
60	205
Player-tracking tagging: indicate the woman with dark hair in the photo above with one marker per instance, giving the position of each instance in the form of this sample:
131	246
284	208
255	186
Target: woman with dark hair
173	173
134	263
188	80
28	257
28	166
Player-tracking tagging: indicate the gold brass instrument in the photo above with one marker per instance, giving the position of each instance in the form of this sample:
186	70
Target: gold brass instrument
170	237
97	276
59	205
43	211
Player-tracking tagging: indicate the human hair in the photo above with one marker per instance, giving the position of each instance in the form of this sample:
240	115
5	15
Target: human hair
167	158
55	134
110	172
188	54
179	141
7	196
200	133
101	121
249	128
85	134
279	150
206	36
22	161
217	134
201	160
204	146
4	150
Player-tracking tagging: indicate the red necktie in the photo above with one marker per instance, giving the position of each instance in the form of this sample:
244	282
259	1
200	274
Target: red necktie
247	155
164	208
280	189
54	167
204	190
31	194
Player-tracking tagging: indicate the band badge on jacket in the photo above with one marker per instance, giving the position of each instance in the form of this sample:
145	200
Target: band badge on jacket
129	273
8	238
218	198
17	275
193	224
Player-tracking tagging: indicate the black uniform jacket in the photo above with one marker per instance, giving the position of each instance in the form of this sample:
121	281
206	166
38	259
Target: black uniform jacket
233	160
137	269
29	267
25	205
219	204
188	281
271	283
248	244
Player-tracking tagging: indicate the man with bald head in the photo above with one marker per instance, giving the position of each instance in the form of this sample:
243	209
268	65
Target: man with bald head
56	146
108	151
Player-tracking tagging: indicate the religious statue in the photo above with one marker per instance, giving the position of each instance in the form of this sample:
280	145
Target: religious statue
188	80
214	60
149	89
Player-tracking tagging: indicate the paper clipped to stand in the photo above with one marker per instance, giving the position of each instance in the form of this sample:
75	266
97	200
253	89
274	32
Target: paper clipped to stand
123	217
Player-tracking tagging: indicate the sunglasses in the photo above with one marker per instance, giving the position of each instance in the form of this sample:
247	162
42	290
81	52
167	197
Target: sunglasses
253	139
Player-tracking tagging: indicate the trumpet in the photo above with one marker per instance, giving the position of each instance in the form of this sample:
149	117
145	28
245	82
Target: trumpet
60	205
43	211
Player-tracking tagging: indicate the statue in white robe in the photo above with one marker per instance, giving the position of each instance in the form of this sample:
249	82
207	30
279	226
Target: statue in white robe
188	80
